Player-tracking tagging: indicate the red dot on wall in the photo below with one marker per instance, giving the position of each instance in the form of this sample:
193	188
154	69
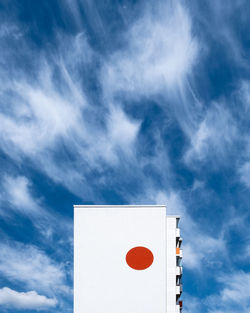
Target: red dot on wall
139	258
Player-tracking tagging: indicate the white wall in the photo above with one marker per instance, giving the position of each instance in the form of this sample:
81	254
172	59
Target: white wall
103	282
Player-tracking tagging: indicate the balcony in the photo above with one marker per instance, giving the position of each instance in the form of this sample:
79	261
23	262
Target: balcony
179	307
179	252
179	242
178	270
179	290
178	232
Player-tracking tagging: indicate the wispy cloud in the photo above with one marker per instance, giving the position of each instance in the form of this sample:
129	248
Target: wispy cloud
214	136
16	190
218	20
34	268
233	295
18	197
243	164
159	54
53	111
244	172
39	118
30	300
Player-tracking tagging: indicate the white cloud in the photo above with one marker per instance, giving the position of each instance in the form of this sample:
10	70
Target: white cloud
92	14
160	53
51	113
17	192
30	300
17	196
244	95
39	117
192	304
32	267
120	136
192	256
233	295
225	32
213	136
244	172
199	248
235	286
244	164
122	131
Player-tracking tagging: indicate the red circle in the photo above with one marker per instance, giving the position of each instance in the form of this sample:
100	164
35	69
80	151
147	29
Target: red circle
139	258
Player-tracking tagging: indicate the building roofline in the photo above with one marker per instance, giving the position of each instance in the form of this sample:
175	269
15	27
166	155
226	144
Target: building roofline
175	216
129	206
79	206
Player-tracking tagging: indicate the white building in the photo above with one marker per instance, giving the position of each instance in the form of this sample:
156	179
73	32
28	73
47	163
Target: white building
127	259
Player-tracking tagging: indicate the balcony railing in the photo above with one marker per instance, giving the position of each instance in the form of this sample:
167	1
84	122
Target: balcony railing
178	270
178	308
178	290
179	252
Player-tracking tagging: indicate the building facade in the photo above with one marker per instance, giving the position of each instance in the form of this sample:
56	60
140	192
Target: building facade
173	264
127	259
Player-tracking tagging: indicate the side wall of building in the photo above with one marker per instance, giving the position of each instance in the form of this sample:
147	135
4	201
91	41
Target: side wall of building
174	268
171	264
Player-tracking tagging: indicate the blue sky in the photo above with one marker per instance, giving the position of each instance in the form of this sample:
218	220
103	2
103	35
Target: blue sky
124	102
